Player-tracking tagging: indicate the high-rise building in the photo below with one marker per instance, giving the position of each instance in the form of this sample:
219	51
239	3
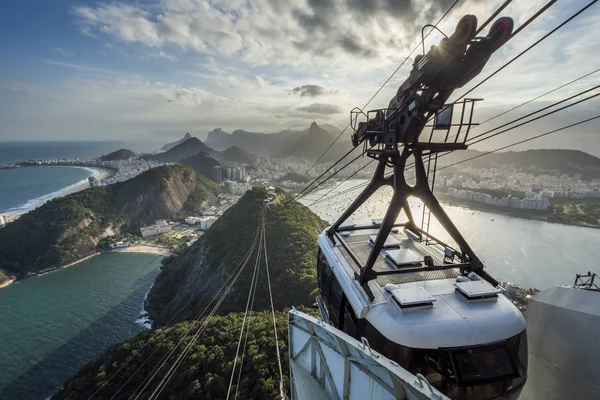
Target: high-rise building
217	174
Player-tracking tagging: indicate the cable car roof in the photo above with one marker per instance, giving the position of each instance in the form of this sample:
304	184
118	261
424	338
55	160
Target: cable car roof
435	304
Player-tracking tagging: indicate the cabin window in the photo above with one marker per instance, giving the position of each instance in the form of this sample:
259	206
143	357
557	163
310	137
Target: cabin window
477	373
335	303
349	319
330	289
483	364
325	274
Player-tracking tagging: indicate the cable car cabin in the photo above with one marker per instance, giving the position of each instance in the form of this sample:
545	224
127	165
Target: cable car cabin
460	332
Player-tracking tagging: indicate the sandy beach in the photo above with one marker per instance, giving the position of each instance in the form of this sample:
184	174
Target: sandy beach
144	248
138	248
5	284
100	173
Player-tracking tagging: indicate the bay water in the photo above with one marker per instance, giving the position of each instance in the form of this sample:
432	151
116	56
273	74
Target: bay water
51	325
531	253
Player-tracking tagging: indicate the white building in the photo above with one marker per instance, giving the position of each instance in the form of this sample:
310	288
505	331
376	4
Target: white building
203	222
158	228
192	220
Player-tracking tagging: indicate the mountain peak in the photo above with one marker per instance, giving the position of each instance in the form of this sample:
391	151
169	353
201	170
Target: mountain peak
169	146
314	125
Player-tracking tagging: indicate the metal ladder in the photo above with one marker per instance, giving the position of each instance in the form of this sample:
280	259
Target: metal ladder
426	215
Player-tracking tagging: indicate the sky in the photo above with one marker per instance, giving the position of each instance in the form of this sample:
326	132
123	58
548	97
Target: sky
154	69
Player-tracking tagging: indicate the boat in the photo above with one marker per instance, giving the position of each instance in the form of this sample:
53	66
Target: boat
428	306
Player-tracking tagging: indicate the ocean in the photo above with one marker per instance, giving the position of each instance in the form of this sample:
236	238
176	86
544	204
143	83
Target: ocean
22	189
53	324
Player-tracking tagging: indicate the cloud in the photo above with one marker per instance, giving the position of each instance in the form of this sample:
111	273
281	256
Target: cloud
267	31
160	54
311	91
86	68
320	108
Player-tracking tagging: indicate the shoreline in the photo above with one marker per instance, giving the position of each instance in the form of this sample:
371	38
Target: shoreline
7	283
494	210
139	248
32	204
143	248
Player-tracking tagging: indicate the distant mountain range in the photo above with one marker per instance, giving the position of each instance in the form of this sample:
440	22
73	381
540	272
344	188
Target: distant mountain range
169	146
189	147
309	143
122	154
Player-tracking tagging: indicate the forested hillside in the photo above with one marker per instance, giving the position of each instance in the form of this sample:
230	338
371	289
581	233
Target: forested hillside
68	228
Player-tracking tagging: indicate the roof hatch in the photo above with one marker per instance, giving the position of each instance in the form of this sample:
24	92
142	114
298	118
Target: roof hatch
478	290
411	297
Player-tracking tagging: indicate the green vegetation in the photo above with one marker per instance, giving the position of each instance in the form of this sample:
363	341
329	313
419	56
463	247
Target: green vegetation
203	164
238	155
203	374
68	228
187	283
576	212
122	154
294	177
291	235
190	147
173	239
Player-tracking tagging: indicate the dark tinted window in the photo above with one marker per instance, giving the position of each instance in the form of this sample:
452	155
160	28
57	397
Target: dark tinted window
489	363
325	276
335	303
349	320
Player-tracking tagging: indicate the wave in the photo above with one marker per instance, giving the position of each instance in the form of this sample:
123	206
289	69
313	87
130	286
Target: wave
144	318
35	203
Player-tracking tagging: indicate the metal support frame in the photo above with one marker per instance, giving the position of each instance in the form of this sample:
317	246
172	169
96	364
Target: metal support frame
347	362
402	191
586	281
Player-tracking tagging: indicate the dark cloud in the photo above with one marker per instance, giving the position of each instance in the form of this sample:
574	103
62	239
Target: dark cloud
320	108
310	91
326	27
352	45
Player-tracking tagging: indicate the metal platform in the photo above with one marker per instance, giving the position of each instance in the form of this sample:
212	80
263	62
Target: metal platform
360	245
327	364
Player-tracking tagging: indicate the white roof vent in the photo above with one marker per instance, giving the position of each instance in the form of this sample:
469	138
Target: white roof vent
477	290
402	257
411	298
390	241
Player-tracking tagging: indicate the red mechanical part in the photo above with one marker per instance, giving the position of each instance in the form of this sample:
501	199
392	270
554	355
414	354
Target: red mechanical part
379	117
400	97
464	29
500	31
